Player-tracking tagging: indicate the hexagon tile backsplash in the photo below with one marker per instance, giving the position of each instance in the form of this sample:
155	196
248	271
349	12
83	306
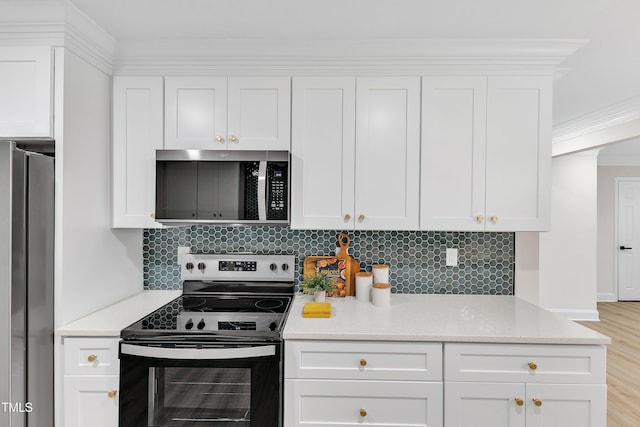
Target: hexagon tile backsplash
486	261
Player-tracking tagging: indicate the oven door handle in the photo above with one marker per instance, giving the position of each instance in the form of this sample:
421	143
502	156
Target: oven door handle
195	353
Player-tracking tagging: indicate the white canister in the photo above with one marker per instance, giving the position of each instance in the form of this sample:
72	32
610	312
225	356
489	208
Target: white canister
363	286
381	295
380	273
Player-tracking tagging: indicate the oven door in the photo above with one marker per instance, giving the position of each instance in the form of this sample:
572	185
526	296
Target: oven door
206	385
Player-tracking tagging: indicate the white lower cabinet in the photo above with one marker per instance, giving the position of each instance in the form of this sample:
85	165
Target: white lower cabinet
91	382
342	383
487	385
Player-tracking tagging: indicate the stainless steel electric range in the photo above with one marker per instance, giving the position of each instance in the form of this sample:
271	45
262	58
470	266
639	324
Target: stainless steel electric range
212	357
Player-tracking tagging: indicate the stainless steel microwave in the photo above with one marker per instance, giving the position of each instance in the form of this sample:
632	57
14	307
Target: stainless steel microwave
227	187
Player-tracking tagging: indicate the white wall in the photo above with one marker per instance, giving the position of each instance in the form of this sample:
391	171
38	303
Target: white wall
95	265
607	287
567	253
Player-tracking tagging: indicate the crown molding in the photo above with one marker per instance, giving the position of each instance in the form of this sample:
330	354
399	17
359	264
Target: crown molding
56	24
408	56
608	117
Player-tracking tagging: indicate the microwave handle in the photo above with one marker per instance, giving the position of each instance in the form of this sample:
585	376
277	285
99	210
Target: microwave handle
262	191
200	354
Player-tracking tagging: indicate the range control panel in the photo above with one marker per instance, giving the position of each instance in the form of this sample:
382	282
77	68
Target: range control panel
235	266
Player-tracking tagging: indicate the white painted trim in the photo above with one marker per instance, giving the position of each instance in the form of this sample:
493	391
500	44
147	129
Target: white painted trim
615	133
607	297
574	314
343	57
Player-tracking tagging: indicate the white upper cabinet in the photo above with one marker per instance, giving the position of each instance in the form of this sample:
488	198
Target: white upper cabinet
26	101
486	153
355	153
219	113
137	134
323	152
518	169
387	153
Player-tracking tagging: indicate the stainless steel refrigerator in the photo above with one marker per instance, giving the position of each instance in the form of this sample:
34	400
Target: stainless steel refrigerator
26	286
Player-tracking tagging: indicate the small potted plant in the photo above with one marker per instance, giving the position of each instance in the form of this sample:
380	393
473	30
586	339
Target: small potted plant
317	285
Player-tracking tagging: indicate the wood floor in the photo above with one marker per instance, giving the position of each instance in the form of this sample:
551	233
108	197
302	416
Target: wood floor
621	321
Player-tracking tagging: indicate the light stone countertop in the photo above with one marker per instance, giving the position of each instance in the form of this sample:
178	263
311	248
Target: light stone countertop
442	318
109	321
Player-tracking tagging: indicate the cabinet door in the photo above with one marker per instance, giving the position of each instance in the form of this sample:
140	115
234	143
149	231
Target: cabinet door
259	113
324	403
88	402
387	153
566	405
518	188
196	113
26	92
453	153
323	153
137	134
484	404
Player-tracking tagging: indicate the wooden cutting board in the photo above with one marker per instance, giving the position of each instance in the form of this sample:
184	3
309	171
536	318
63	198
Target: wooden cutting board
353	266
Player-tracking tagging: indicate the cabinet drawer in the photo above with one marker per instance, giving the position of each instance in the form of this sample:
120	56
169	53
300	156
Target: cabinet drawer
363	360
316	403
570	364
91	356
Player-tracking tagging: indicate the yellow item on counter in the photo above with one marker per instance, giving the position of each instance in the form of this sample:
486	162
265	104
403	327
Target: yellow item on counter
317	310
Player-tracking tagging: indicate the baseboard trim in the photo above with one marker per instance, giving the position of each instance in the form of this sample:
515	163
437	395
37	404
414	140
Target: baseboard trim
572	314
607	297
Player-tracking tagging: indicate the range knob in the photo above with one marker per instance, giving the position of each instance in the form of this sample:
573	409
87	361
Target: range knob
273	266
285	267
202	266
189	266
189	324
201	324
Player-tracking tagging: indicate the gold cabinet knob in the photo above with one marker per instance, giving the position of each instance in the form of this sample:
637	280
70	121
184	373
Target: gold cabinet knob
233	138
532	366
347	217
361	218
537	402
363	412
112	394
92	358
363	362
218	138
479	218
153	215
519	401
494	219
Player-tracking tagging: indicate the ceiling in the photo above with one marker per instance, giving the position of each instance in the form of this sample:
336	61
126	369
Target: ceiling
604	72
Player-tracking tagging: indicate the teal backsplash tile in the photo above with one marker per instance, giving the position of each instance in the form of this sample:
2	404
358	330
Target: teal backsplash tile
486	261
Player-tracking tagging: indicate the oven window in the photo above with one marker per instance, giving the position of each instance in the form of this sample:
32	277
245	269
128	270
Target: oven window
199	396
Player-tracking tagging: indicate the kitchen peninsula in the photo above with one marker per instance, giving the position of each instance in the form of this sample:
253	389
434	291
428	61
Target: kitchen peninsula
470	360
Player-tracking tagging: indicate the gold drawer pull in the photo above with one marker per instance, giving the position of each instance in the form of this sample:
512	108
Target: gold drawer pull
363	362
537	402
532	366
92	358
112	394
519	401
233	138
363	412
218	138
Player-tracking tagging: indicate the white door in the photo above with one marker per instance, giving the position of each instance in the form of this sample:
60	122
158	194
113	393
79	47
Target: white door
323	153
387	188
196	113
518	166
454	111
91	401
628	242
137	134
259	111
553	405
26	105
484	404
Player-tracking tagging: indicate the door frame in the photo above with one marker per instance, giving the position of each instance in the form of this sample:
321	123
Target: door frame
616	181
